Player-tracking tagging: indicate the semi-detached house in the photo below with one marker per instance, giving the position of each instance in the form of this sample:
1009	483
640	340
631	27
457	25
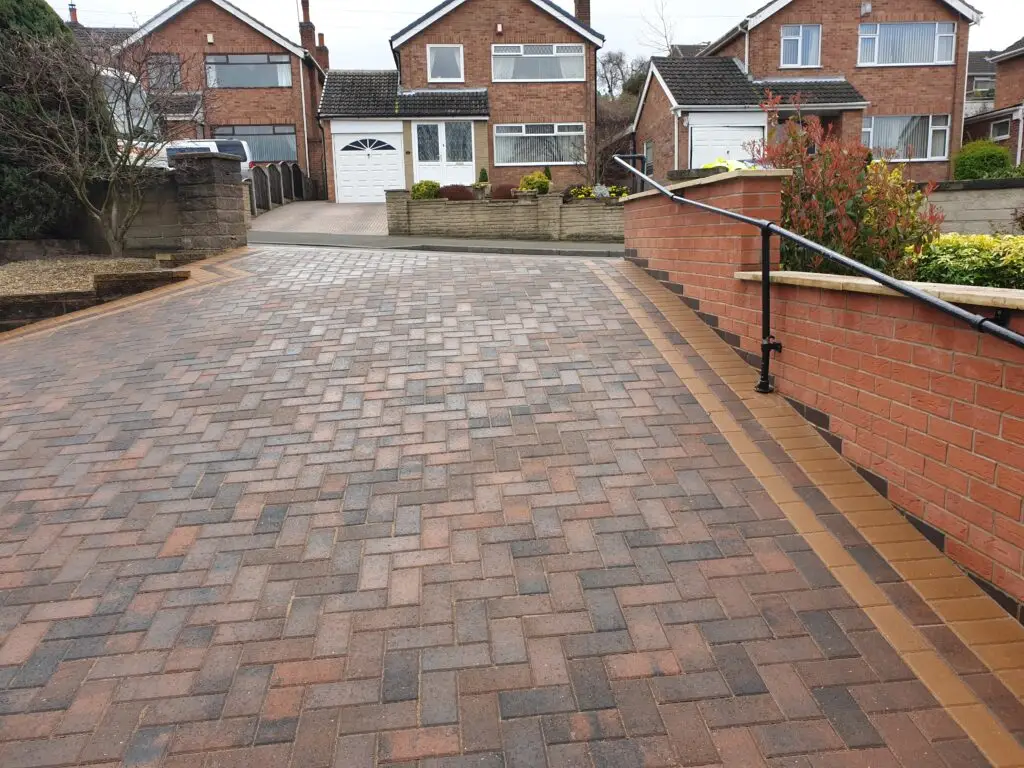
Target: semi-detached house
1004	123
233	77
508	86
891	73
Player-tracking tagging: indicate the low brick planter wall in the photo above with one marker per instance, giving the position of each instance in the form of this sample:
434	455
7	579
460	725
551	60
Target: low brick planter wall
930	411
543	217
16	311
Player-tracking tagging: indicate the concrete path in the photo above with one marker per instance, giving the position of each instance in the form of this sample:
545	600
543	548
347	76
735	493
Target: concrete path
352	508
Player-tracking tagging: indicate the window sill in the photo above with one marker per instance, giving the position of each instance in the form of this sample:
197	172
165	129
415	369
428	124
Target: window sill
441	82
563	80
890	66
538	164
249	87
800	66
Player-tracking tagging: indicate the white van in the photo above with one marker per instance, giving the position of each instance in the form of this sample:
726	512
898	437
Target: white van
224	146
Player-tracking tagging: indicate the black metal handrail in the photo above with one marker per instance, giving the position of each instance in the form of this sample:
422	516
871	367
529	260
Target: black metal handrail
768	228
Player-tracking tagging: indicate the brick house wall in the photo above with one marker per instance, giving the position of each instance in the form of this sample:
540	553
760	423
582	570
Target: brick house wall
473	25
983	130
911	90
657	123
1009	82
185	35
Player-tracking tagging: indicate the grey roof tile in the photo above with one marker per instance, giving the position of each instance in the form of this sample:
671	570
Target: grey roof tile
101	36
707	81
362	93
978	63
813	91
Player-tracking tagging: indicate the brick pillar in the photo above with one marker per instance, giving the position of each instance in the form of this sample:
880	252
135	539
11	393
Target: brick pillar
549	217
397	202
210	196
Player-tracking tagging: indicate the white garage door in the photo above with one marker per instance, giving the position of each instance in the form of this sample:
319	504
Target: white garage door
367	165
711	142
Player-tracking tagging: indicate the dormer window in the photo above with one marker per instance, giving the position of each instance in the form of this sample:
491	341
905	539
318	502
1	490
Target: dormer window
444	64
801	45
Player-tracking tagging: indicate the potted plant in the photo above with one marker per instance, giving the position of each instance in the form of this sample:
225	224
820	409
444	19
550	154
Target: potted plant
482	186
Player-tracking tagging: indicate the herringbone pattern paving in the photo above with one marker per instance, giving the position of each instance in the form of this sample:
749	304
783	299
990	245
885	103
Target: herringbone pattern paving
375	508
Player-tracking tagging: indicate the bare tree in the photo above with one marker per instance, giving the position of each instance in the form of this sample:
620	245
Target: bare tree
91	121
615	70
659	31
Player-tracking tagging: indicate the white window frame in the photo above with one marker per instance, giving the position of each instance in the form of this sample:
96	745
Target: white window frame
799	47
540	163
932	130
554	49
1008	122
861	35
649	157
462	63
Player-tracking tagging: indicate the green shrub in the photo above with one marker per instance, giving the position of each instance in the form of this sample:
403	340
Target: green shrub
981	160
426	190
456	192
996	261
482	178
535	181
547	172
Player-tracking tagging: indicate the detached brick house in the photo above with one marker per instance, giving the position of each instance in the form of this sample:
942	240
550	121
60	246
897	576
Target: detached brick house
889	72
1004	123
509	86
256	84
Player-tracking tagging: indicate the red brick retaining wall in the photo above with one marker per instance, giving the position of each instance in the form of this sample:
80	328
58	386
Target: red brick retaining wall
931	411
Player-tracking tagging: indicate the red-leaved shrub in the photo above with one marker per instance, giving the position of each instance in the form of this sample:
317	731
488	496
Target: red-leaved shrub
502	191
843	198
456	192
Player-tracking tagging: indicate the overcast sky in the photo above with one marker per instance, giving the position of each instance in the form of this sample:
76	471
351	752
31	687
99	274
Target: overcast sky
358	37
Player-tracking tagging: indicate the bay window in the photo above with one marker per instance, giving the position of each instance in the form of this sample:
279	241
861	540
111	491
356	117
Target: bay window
540	144
537	63
801	45
907	43
910	137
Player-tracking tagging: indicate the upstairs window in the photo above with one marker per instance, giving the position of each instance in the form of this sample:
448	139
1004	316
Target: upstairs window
906	43
537	63
444	64
164	71
801	45
259	70
649	157
910	137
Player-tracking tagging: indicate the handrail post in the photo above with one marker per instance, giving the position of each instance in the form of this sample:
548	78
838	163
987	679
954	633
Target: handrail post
768	343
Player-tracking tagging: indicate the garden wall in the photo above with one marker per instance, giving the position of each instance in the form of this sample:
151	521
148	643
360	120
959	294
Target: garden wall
982	207
198	206
543	217
930	411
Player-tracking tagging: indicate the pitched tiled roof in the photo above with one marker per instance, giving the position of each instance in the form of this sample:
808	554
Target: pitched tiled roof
100	36
810	91
1011	51
707	81
362	93
978	63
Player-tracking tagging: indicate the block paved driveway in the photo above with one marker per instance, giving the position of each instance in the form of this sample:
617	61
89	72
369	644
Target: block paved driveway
372	508
326	218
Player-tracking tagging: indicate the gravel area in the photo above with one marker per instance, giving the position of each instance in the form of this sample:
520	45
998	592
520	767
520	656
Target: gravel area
60	275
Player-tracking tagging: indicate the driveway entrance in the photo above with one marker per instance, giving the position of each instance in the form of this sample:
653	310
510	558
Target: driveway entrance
325	218
344	509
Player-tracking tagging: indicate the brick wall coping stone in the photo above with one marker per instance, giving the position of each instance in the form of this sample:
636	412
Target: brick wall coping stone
958	186
979	296
717	179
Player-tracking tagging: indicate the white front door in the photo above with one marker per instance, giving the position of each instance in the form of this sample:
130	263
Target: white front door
712	142
445	152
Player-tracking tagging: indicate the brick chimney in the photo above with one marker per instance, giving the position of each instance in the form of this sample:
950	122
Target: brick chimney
583	11
307	32
323	54
73	13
